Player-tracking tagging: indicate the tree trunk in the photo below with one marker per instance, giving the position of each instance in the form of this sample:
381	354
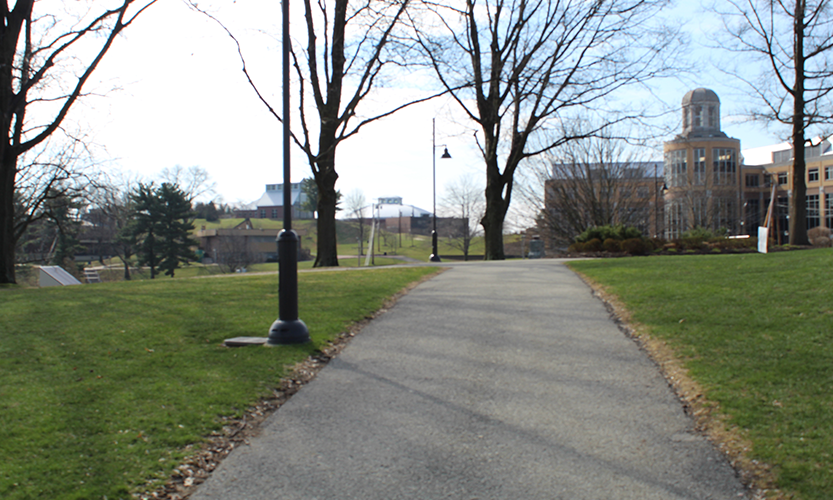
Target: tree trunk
327	249
798	202
7	232
492	221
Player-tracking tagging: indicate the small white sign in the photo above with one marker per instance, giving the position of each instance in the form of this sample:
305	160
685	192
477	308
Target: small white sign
763	234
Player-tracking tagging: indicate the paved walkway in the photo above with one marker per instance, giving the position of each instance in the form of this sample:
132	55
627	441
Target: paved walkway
500	380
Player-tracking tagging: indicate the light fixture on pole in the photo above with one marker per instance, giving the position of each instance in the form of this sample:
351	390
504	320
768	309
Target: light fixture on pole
435	255
287	329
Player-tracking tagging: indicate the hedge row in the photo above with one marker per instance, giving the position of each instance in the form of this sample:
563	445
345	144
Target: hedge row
645	246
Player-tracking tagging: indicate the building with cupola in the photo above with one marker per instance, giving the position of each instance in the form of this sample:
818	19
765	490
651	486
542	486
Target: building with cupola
703	177
710	183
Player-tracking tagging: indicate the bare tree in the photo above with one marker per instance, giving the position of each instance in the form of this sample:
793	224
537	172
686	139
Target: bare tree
194	181
791	42
518	66
596	181
356	205
110	214
463	202
341	58
61	168
46	59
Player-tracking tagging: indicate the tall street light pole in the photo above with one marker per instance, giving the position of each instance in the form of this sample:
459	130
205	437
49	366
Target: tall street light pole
435	255
287	329
656	200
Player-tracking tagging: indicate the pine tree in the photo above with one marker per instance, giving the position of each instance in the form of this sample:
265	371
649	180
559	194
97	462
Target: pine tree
161	227
145	227
175	241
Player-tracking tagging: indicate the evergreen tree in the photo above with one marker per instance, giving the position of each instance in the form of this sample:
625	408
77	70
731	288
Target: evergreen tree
310	189
161	227
145	227
174	236
207	211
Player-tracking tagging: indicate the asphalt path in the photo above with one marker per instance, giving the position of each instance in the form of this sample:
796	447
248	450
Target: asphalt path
495	380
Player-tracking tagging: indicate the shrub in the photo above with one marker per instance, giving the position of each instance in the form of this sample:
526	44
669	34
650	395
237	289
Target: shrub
637	246
576	248
657	243
594	245
603	233
692	243
611	245
819	236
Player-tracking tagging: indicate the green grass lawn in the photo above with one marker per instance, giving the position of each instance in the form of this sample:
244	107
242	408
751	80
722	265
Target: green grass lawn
103	386
756	331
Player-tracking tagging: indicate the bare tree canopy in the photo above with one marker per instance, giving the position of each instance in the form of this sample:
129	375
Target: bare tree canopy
46	59
194	181
462	202
790	41
519	66
342	56
356	204
592	182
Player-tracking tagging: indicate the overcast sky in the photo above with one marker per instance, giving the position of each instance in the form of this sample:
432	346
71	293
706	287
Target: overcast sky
183	100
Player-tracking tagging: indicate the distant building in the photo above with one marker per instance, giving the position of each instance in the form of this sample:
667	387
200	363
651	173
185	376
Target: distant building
396	217
711	184
773	164
243	242
270	205
702	171
628	193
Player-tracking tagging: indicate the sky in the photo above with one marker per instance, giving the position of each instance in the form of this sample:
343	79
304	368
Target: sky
174	94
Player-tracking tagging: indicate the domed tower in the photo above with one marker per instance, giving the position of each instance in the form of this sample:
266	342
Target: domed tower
702	170
701	114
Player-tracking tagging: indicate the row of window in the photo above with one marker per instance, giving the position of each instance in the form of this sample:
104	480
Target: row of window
754	215
701	116
754	180
724	167
716	213
681	215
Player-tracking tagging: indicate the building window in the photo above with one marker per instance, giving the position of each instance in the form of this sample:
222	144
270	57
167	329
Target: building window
782	211
274	213
263	214
828	173
828	209
753	180
726	218
700	211
813	211
753	216
699	166
698	116
676	167
782	178
675	220
782	156
813	175
724	166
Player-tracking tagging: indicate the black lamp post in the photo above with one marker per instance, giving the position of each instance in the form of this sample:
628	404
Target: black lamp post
435	255
287	329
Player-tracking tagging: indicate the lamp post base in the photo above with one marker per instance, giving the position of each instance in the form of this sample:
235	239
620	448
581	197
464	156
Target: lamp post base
435	255
288	332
